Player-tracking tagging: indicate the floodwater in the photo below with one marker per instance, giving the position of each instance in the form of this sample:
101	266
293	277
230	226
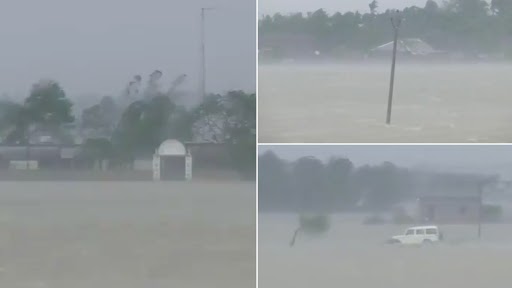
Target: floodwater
127	234
354	255
452	103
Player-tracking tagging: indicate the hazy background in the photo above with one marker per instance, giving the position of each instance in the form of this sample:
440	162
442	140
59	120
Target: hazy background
95	47
468	158
289	6
350	250
324	72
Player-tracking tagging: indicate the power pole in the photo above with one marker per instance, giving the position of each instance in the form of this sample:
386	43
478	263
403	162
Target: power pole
480	208
396	22
203	52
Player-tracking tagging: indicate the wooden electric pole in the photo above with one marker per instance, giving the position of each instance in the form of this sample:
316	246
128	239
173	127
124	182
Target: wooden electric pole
396	22
480	208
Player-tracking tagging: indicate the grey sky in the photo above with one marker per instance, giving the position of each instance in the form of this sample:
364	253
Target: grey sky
288	6
96	46
470	158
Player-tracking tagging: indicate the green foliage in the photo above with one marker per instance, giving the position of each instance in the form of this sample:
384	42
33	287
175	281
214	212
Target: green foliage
309	180
274	181
339	171
492	213
48	105
310	186
241	131
142	126
314	224
230	119
373	6
12	122
458	25
100	117
121	136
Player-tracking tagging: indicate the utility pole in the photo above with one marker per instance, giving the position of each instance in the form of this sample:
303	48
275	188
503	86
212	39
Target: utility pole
480	208
203	52
27	150
396	22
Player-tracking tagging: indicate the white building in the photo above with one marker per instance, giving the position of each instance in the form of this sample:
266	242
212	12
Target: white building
172	161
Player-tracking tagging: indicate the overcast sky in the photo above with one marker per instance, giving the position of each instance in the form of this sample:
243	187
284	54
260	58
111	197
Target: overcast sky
289	6
485	159
331	6
98	45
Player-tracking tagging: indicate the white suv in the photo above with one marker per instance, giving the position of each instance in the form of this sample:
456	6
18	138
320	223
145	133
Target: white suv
418	235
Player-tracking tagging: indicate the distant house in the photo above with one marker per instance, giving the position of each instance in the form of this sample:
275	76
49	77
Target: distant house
410	47
449	209
450	198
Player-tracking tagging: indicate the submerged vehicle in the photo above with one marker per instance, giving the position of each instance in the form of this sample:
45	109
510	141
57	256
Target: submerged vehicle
418	235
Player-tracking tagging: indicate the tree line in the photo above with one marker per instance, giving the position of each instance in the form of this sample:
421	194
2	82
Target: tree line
468	26
308	185
136	123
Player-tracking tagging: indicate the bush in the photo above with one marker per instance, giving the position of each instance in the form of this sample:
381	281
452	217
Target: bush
492	213
314	224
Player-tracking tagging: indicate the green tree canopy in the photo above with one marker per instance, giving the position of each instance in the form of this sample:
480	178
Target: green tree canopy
456	25
48	105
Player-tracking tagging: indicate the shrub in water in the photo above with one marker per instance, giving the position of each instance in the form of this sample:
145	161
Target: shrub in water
314	224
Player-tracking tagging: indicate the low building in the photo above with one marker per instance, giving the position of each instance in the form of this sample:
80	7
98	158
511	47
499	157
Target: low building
449	209
451	198
408	48
38	156
172	161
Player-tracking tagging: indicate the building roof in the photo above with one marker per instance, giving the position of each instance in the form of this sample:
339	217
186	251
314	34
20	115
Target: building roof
450	185
413	46
37	152
423	227
172	147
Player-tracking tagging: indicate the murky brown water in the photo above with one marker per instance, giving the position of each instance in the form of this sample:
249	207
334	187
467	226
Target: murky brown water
353	255
127	234
347	103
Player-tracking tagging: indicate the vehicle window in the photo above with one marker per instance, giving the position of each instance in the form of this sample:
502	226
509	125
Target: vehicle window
409	232
431	231
420	232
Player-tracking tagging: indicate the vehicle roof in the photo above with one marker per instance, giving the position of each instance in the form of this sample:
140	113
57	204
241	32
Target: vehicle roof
424	227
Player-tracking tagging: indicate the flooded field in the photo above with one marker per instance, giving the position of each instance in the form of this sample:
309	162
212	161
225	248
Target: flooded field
127	234
353	255
348	103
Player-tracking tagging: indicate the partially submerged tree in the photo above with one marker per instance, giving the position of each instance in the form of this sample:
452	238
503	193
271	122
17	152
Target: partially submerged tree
309	178
311	224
